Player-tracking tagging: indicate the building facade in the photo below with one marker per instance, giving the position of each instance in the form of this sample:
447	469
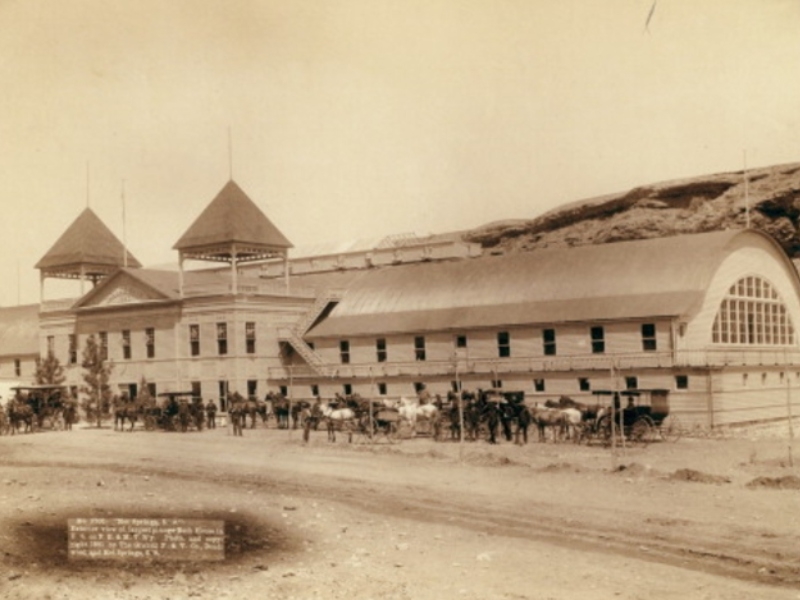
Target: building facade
709	317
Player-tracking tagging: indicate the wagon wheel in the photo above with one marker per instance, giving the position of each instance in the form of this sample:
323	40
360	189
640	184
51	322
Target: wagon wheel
670	429
641	430
603	429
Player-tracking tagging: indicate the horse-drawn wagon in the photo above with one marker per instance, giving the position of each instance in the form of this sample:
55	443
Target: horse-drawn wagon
644	418
48	404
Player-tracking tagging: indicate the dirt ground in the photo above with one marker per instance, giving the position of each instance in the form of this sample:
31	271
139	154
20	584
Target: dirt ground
700	518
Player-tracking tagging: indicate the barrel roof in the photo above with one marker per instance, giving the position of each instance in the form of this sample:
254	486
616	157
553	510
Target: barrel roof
635	279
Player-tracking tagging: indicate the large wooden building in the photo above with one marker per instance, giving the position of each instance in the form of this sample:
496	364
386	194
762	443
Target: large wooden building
709	317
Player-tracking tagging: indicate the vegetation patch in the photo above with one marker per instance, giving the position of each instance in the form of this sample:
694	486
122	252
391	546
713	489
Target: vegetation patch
787	482
697	476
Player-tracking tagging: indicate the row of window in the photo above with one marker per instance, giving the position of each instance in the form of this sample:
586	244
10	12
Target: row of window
150	342
539	385
549	347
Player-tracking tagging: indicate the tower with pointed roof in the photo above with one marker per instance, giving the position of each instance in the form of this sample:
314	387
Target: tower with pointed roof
86	251
232	229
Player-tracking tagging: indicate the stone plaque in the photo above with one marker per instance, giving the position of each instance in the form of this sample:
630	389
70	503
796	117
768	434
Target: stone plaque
109	538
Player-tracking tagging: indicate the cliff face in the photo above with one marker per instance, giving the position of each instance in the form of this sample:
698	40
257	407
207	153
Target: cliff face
694	205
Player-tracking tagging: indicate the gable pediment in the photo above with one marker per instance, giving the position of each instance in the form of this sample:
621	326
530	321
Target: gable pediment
120	291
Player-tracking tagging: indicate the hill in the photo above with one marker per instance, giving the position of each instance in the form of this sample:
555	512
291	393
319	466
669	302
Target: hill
708	203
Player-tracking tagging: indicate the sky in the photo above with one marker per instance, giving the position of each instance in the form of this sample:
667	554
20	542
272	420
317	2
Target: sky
347	119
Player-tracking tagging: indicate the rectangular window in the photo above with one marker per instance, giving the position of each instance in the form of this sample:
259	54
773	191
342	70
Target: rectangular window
649	337
549	342
150	342
503	344
222	338
348	389
17	367
51	344
284	391
344	351
151	389
103	345
73	348
381	389
380	349
584	385
538	385
126	344
252	389
250	337
194	339
598	340
223	394
419	348
682	382
497	383
461	341
631	383
196	390
315	390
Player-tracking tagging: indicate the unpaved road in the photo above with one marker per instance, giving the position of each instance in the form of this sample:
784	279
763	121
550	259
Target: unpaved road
414	520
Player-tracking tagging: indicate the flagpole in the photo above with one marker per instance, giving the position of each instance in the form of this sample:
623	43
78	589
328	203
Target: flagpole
124	230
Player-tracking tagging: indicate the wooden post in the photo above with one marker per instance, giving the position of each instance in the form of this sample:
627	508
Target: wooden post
790	419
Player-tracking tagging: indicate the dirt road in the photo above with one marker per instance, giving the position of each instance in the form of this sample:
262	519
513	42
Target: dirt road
412	520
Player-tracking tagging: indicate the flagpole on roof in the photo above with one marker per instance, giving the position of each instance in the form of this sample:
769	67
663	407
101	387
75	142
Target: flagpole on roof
124	232
746	191
230	155
87	184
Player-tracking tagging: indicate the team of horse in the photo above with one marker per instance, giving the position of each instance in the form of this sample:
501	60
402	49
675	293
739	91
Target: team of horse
38	408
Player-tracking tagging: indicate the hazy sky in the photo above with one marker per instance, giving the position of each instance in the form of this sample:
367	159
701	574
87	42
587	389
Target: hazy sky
357	118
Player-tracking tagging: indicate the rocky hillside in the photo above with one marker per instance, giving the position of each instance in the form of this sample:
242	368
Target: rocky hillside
699	204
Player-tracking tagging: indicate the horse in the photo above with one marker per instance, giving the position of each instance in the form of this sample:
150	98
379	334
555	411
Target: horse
20	412
338	418
125	409
555	419
70	414
411	411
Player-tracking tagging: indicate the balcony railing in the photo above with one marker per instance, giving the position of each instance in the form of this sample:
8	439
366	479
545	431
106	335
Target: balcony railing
594	362
269	288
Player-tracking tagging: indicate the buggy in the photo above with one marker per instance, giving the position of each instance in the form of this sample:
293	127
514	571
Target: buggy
644	418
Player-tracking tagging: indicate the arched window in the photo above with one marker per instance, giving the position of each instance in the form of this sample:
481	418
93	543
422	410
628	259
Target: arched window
752	313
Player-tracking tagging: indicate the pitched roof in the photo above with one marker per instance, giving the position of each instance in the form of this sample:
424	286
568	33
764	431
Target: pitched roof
645	278
19	330
86	242
232	217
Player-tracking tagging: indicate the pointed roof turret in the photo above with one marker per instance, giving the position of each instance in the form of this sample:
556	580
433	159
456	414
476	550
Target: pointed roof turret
232	217
87	249
232	229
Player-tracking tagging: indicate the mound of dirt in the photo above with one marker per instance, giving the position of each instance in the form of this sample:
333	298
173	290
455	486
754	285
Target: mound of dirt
697	476
633	470
561	467
787	482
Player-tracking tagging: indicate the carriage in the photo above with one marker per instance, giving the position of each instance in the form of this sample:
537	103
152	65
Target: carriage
644	418
47	402
177	411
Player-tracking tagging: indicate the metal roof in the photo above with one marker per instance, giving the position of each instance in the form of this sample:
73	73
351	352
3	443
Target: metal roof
89	242
645	278
232	217
19	330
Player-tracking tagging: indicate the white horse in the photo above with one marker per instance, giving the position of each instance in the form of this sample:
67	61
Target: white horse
338	418
411	410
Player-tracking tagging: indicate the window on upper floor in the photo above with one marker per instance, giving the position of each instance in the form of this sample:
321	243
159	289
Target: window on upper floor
549	342
103	345
344	351
598	336
222	338
381	389
461	341
250	337
753	313
681	382
150	342
194	339
419	348
538	385
584	385
649	343
631	383
503	344
126	344
380	349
